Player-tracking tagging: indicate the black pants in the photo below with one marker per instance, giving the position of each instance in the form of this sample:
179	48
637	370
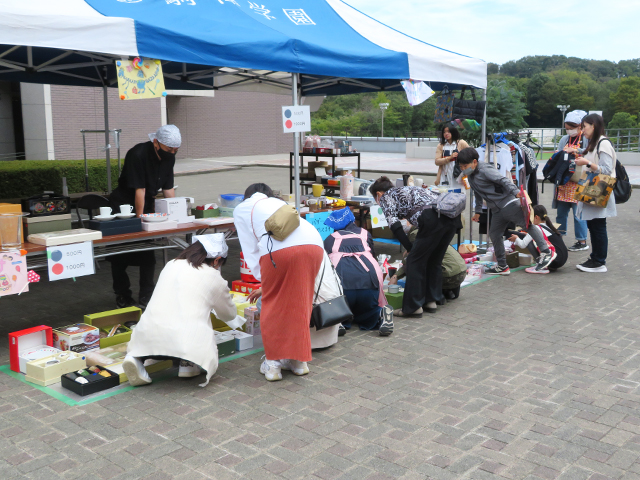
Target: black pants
424	262
599	239
147	263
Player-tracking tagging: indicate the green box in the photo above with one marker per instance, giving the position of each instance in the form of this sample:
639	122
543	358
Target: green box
51	223
226	344
213	212
106	320
394	299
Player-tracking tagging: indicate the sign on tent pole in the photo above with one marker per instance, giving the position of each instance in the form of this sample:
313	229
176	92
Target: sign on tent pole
296	118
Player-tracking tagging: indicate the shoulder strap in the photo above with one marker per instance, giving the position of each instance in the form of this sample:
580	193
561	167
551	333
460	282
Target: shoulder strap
320	283
252	208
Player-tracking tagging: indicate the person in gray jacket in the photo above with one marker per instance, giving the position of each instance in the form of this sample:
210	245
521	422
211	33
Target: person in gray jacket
502	199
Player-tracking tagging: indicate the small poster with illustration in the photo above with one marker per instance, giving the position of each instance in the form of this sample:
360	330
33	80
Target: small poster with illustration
140	78
13	273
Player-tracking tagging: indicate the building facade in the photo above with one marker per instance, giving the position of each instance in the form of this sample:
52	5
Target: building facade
44	122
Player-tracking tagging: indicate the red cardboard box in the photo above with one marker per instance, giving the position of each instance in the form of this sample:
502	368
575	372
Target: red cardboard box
244	287
35	340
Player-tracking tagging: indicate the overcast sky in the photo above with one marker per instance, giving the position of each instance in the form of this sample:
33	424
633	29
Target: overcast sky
502	30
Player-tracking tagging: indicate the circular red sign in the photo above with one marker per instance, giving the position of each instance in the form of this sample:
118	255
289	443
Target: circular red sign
57	268
288	124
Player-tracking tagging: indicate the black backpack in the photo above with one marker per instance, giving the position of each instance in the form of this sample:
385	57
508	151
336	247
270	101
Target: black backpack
622	189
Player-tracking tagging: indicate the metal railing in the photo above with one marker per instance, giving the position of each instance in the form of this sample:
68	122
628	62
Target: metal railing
7	157
375	135
623	139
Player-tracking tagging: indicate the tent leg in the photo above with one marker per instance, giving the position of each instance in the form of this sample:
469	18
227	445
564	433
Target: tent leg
296	144
106	132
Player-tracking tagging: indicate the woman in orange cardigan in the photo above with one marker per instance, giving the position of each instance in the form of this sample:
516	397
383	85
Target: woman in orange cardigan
446	154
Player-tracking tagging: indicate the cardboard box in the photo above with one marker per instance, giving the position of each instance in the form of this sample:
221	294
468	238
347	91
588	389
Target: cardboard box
226	344
97	383
48	370
394	299
252	316
114	356
79	337
513	261
105	321
51	223
382	232
30	344
244	287
244	341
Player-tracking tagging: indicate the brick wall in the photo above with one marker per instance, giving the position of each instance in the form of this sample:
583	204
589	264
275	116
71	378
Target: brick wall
229	124
77	108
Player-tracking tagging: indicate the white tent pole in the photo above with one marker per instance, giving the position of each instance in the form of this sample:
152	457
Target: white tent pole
106	130
296	144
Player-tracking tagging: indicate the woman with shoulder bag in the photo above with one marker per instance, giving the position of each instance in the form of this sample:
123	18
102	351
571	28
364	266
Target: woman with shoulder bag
287	269
563	200
446	154
599	157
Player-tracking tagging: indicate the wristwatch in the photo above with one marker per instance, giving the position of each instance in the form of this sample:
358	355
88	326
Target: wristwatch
589	165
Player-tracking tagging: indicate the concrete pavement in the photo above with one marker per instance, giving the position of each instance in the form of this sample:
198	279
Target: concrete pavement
524	377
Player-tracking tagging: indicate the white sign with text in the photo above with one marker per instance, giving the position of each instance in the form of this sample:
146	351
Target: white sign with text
296	119
70	261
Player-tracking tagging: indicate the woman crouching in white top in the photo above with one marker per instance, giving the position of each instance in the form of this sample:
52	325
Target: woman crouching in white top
177	321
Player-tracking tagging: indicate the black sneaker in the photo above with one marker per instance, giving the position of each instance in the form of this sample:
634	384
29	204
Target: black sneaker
386	328
545	259
498	270
578	247
592	266
124	301
143	302
341	331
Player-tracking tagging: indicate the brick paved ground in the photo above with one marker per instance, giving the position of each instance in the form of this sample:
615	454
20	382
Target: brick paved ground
524	377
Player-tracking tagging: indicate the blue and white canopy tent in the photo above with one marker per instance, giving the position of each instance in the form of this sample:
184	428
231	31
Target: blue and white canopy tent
309	47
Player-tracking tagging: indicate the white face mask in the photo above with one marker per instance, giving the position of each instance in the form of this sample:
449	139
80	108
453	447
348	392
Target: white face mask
572	133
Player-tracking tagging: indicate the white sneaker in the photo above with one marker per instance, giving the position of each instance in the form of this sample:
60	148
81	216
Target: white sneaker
135	371
188	369
298	368
271	370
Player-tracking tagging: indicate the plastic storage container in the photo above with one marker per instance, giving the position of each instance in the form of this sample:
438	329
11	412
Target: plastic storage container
231	200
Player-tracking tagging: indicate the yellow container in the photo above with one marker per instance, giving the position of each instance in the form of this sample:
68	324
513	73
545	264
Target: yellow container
105	320
317	189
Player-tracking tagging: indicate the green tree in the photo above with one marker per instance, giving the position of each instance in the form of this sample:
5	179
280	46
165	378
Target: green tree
623	120
505	108
627	97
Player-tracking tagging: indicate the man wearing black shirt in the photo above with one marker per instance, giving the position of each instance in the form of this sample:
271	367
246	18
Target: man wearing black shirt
147	168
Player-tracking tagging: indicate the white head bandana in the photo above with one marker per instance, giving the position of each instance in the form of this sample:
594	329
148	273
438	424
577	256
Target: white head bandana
168	135
575	117
213	243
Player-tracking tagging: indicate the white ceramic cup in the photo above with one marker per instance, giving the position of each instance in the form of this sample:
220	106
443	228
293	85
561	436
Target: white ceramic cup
418	182
126	208
105	211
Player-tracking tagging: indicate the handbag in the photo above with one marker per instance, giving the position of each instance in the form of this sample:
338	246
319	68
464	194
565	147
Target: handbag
332	312
595	189
468	109
444	106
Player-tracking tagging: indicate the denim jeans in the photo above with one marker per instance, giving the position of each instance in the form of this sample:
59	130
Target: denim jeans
599	240
579	226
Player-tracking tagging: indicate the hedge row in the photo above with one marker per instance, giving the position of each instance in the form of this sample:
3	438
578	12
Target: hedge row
20	178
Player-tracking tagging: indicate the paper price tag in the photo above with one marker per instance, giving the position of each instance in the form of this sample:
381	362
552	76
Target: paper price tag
70	261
